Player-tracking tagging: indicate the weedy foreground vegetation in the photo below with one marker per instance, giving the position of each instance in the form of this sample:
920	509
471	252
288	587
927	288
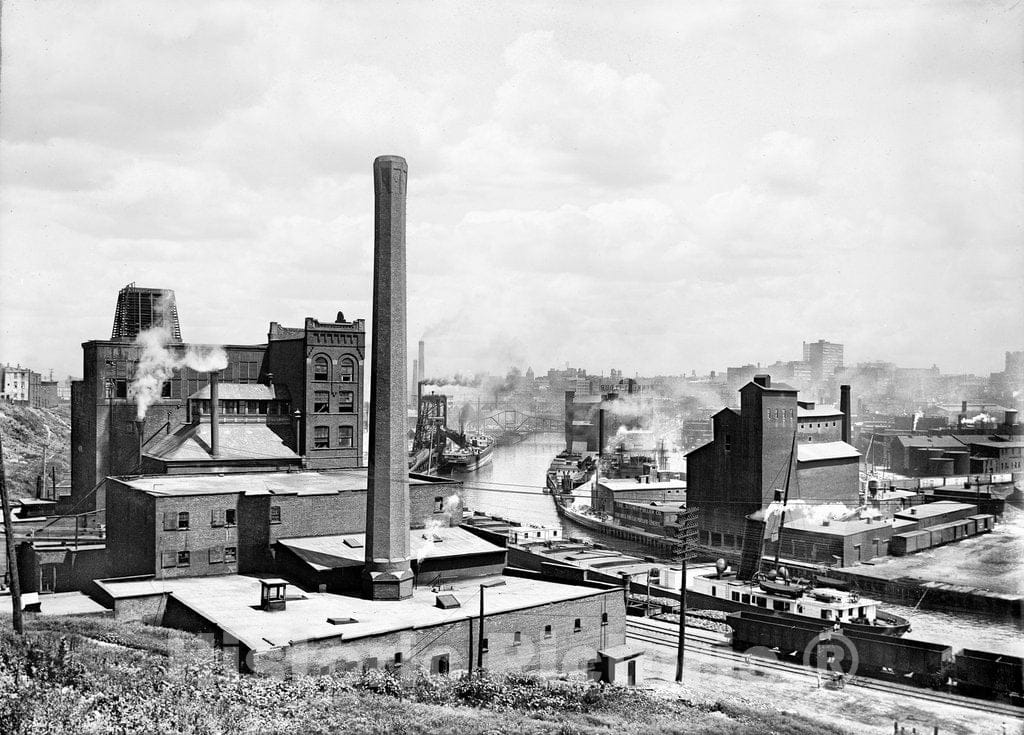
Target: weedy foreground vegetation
77	675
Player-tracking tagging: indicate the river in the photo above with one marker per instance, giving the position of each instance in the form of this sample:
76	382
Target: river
512	487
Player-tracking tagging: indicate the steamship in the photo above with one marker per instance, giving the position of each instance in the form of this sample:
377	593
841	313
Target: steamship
471	454
721	590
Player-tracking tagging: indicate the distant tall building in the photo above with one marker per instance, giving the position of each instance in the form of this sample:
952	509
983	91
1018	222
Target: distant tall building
824	358
139	309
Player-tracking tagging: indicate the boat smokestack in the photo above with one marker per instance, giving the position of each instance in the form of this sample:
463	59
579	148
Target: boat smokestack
844	406
387	574
214	413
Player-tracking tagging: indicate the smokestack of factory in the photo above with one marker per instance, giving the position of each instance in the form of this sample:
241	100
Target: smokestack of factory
844	407
214	413
422	364
387	574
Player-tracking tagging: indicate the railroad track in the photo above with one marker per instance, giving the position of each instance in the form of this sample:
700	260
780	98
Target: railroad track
716	646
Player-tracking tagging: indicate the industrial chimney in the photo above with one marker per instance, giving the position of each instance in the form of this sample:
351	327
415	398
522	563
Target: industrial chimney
421	363
844	406
387	574
214	413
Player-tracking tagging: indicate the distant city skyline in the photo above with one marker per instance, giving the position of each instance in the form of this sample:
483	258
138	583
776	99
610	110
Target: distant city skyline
677	188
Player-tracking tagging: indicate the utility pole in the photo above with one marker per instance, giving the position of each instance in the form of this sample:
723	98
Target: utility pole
12	558
686	535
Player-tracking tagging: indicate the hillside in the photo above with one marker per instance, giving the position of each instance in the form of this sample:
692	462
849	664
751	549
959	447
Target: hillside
98	676
24	435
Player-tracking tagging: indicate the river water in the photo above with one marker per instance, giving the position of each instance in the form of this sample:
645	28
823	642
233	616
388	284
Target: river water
512	487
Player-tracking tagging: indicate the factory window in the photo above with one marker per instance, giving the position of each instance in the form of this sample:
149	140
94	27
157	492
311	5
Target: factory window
120	389
229	406
217	518
230	554
251	407
346	401
321	437
321	401
229	517
438	504
398	660
547	631
347	370
165	390
345	437
577	626
170	521
483	645
183	521
604	618
217	555
275	514
728	442
184	558
321	368
440	665
168	559
517	638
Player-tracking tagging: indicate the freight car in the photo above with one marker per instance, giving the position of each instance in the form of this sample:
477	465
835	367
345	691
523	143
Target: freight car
878	656
985	673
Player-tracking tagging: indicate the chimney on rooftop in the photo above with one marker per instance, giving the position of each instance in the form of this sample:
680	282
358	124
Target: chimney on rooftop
844	406
387	574
214	413
765	381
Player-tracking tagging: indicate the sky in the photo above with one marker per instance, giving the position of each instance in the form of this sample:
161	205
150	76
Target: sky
656	187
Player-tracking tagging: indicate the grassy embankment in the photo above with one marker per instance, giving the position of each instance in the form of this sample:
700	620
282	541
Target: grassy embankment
24	436
99	676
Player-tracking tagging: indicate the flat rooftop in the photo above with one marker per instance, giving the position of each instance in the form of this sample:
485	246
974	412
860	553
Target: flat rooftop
930	510
818	412
263	483
349	550
232	603
818	451
837	528
624	484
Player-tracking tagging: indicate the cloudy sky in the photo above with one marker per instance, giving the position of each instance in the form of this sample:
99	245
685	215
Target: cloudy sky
657	187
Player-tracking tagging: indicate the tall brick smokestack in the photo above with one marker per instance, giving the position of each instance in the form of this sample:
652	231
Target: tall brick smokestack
388	572
214	414
422	364
844	406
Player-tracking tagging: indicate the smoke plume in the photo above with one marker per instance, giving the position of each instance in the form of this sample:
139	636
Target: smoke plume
157	364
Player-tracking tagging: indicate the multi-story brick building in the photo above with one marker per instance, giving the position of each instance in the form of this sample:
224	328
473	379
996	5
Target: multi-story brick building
210	524
824	359
295	400
747	462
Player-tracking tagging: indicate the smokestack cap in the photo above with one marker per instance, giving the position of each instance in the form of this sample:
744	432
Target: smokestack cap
396	161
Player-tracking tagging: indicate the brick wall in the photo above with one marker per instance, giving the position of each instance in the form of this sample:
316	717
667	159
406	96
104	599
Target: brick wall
565	648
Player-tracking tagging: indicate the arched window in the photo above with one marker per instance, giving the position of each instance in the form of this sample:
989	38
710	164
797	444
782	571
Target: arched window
348	370
321	368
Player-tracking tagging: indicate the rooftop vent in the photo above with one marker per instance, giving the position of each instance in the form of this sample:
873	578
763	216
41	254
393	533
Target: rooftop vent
341	621
447	602
765	381
826	522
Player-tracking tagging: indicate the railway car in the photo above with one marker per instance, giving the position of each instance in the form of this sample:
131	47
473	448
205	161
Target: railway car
985	673
919	662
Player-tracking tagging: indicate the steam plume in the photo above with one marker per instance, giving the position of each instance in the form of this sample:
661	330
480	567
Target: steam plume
157	364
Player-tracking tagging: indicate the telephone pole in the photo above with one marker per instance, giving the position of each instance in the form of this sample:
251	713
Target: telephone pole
12	558
686	537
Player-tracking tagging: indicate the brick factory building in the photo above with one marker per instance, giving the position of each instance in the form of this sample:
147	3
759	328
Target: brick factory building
209	524
295	401
738	473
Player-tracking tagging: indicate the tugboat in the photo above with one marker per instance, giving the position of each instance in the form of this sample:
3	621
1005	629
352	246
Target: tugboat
777	593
